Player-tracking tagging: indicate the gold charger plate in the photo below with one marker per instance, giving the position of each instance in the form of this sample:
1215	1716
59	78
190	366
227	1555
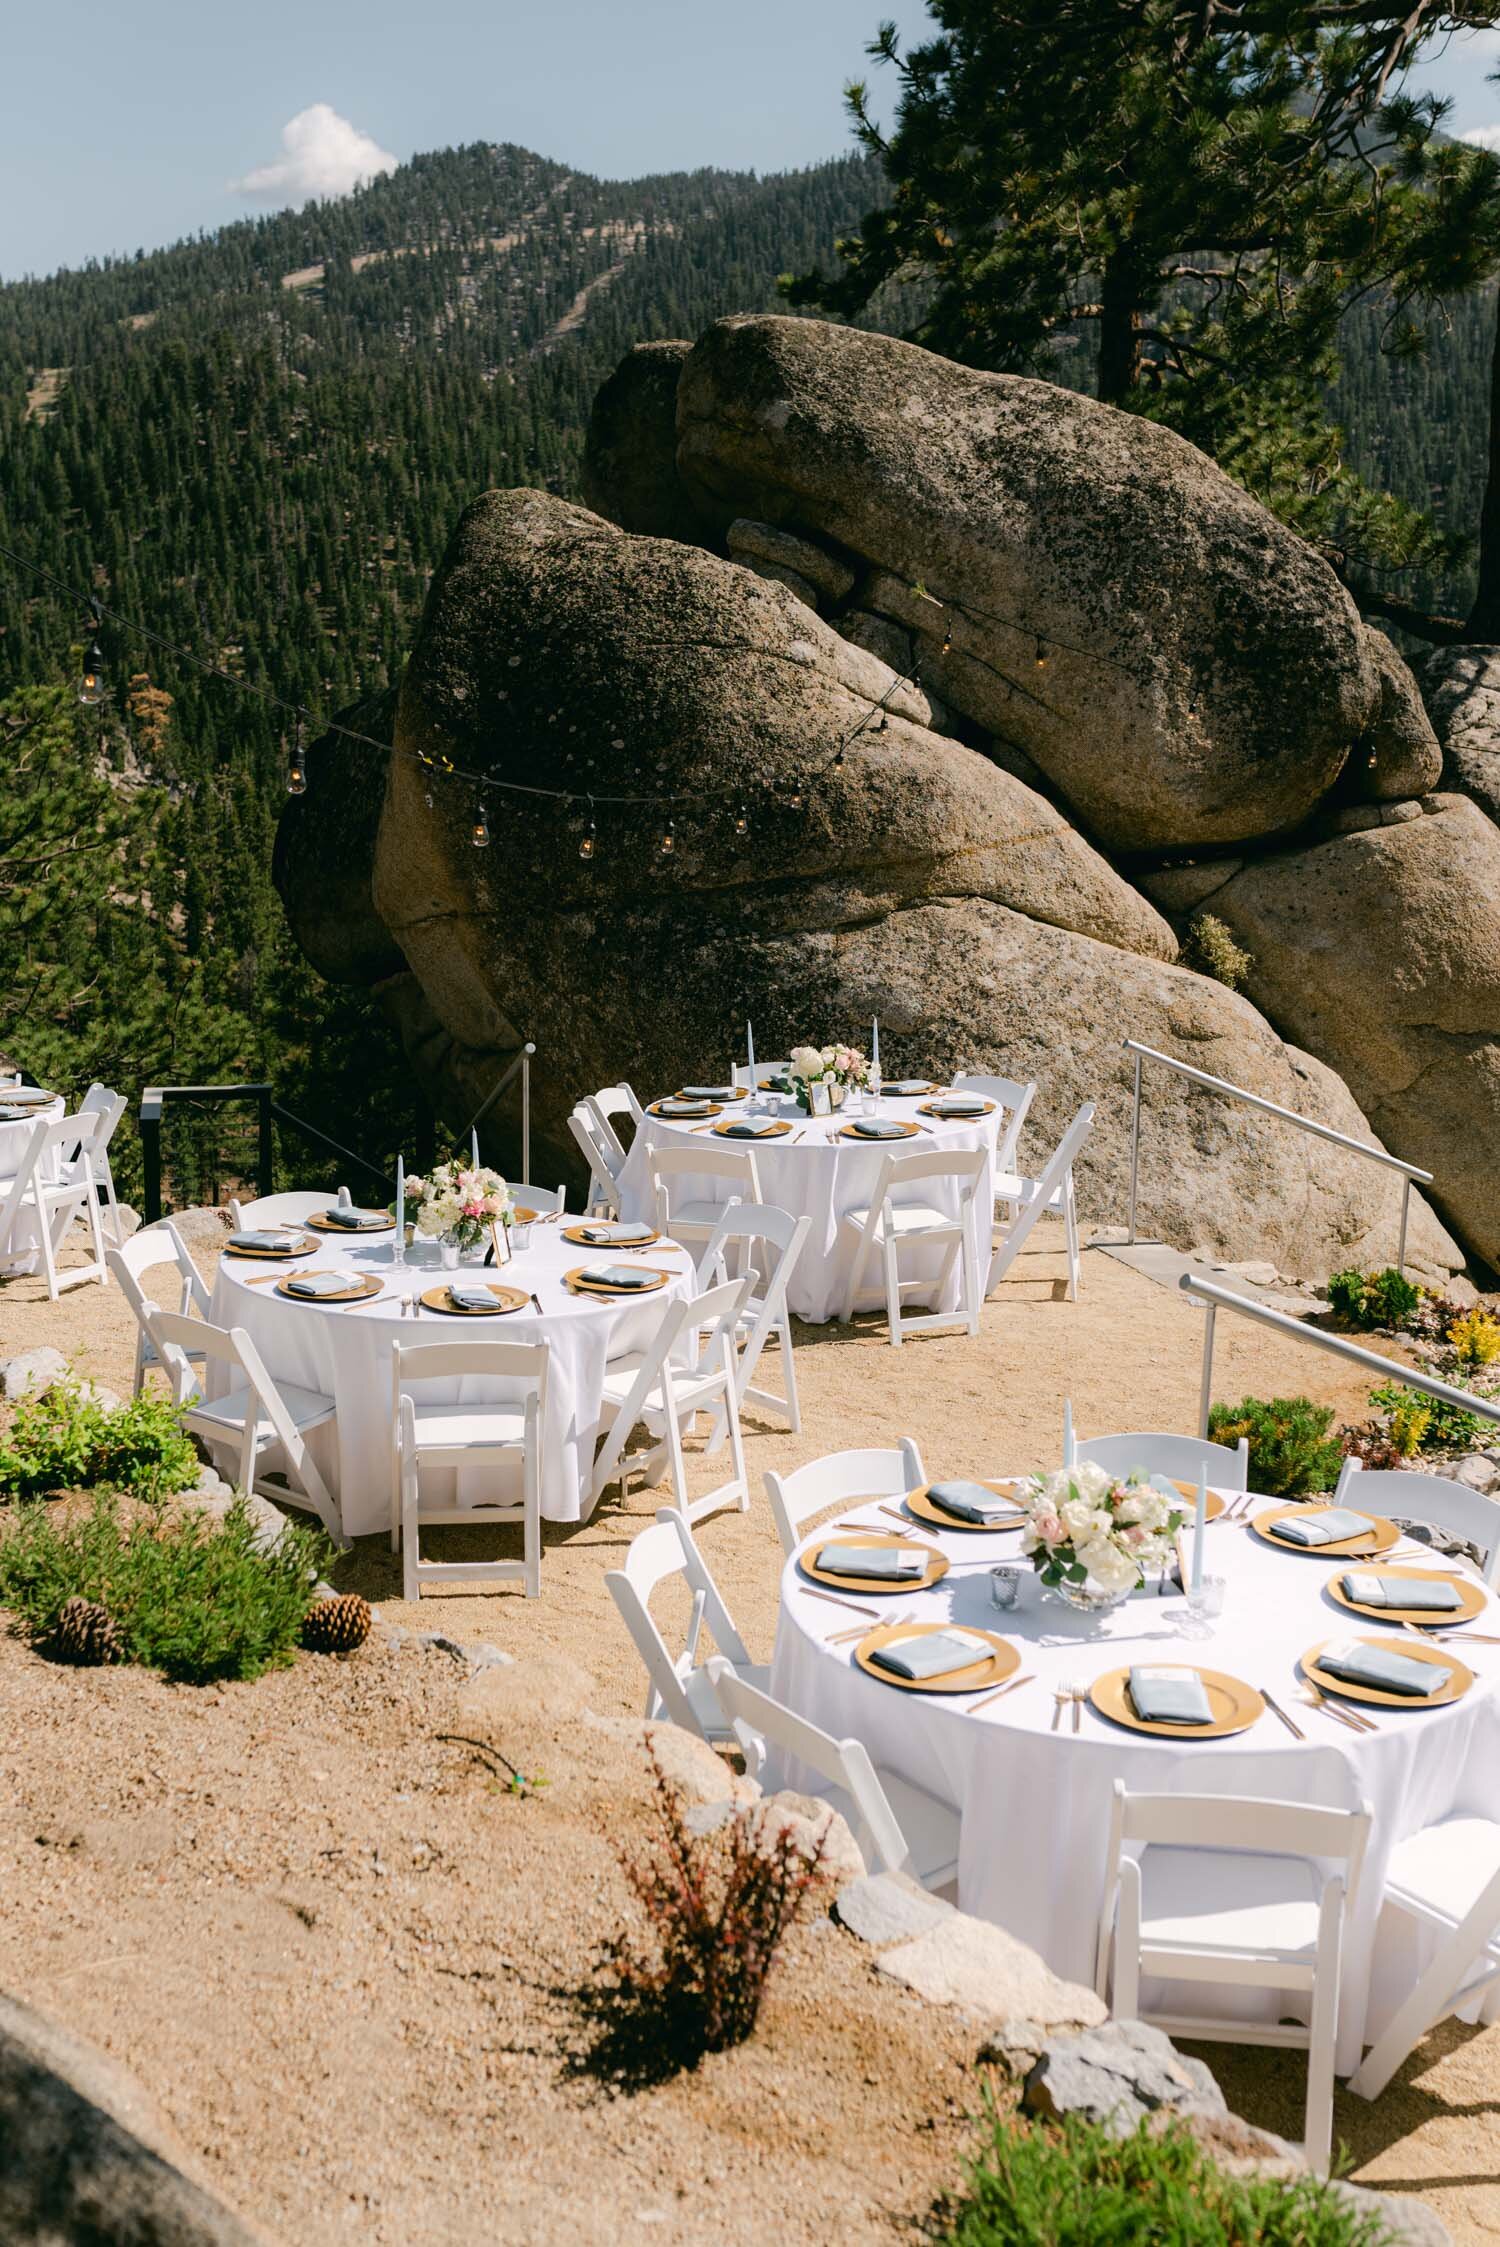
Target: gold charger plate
700	1110
578	1235
1471	1595
274	1255
318	1223
923	1092
986	1669
575	1282
937	1565
26	1096
1378	1538
506	1299
954	1115
1236	1706
1459	1678
885	1139
358	1291
730	1130
925	1509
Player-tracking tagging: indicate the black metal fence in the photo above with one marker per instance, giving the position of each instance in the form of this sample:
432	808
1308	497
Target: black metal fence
267	1112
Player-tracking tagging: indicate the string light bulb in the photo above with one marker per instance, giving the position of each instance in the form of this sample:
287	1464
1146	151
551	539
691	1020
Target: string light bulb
296	769
668	841
742	821
798	796
479	833
1041	655
947	647
91	683
589	841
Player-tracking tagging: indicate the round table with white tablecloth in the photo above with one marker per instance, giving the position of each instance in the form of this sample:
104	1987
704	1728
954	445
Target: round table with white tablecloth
816	1169
345	1351
1035	1801
19	1116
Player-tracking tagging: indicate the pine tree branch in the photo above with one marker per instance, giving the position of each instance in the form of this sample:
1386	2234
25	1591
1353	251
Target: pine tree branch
1441	631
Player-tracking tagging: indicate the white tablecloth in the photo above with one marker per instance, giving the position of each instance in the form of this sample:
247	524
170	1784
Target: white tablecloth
14	1138
815	1172
1035	1803
346	1352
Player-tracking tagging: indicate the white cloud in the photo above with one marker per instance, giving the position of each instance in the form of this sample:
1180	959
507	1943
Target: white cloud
1484	136
322	155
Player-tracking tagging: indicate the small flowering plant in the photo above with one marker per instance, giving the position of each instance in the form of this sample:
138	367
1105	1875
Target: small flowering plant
459	1203
837	1066
1085	1525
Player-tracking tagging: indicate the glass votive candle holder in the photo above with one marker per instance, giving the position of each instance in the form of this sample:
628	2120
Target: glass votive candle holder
1205	1603
1005	1584
520	1234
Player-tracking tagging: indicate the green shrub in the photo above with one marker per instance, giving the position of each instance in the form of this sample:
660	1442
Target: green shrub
1080	2186
1291	1451
1209	949
63	1440
1373	1299
1449	1427
193	1597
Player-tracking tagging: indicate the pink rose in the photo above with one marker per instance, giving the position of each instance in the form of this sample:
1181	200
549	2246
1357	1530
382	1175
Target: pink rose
1049	1529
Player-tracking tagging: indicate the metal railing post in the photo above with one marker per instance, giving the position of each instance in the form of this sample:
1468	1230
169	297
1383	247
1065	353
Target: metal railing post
265	1152
526	1052
1206	1384
1405	1214
1135	1150
150	1129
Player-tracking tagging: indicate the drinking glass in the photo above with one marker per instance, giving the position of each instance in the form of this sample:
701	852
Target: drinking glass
1204	1606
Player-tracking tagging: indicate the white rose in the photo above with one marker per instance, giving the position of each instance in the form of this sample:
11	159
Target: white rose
1078	1519
1092	1481
1108	1565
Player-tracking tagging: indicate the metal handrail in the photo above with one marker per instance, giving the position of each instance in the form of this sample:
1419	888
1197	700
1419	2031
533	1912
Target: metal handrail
522	1061
1411	1172
153	1108
1215	1299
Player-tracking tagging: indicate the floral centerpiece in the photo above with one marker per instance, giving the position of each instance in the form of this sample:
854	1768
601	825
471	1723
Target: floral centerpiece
458	1203
836	1066
1094	1537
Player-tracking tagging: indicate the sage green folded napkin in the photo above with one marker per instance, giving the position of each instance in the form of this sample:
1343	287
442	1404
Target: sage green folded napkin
708	1092
751	1127
472	1298
876	1127
317	1284
1330	1528
884	1561
905	1088
957	1105
357	1220
268	1243
1169	1696
932	1656
969	1501
1359	1664
1401	1591
683	1107
619	1275
603	1236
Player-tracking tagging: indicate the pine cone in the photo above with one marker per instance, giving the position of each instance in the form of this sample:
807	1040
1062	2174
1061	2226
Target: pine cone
336	1626
88	1634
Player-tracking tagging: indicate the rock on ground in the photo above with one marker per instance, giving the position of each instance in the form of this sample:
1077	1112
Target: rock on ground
972	1964
84	2156
1381	951
1117	2074
1462	686
33	1370
1184	668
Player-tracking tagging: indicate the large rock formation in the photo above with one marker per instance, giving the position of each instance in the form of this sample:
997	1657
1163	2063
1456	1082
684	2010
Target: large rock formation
1185	669
1462	686
1381	950
1204	684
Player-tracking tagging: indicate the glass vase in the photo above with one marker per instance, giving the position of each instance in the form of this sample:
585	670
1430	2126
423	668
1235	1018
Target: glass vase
1089	1598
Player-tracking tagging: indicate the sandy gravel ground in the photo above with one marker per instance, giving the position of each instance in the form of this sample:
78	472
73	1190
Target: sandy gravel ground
333	1948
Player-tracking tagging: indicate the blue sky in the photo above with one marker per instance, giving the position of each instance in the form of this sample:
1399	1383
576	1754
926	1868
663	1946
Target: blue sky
123	126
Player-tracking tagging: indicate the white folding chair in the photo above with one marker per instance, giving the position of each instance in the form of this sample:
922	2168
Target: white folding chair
897	1826
682	1217
891	1223
1233	1889
1050	1195
144	1252
264	1423
770	1244
601	1150
835	1480
547	1201
280	1209
1431	1499
740	1074
1447	1878
613	1100
645	1388
679	1688
39	1203
1016	1101
455	1435
1179	1458
108	1107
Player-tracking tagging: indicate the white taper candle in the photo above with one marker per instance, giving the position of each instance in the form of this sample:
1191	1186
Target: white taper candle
1200	1520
